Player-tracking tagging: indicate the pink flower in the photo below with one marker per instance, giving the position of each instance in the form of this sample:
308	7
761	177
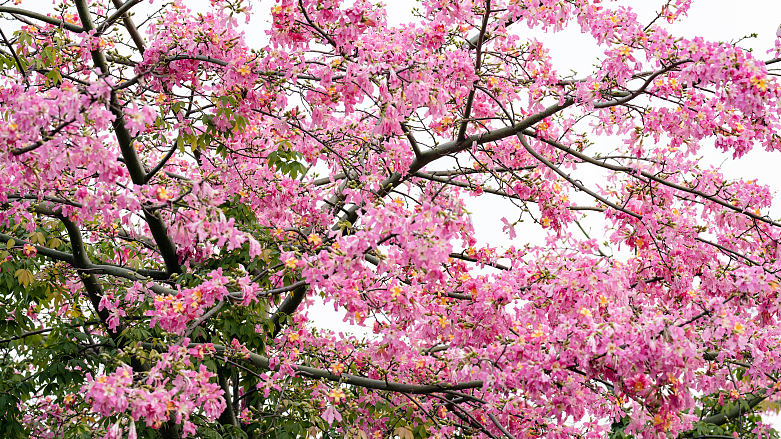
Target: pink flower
336	395
508	227
138	117
331	414
638	383
29	250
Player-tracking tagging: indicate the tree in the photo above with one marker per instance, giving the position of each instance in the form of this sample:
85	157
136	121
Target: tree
174	205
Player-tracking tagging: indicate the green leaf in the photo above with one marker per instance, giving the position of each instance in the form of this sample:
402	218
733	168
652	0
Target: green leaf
55	76
24	276
37	238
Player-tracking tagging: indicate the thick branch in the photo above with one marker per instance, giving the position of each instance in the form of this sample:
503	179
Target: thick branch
119	13
723	418
455	146
478	61
95	269
44	139
45	251
411	138
131	28
354	380
287	307
471	259
41	17
160	165
26	334
642	88
133	163
228	416
22	70
500	427
316	27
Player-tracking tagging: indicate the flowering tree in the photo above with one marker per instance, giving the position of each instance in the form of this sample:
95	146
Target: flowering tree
173	203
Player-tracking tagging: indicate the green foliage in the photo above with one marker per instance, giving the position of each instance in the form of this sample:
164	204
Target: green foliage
287	161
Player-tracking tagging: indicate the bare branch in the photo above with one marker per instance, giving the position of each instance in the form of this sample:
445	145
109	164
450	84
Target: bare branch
478	61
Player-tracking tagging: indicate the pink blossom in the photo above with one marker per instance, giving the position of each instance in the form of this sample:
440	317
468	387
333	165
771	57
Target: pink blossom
138	117
331	414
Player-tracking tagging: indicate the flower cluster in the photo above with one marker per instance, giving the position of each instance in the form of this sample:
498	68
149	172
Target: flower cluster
173	313
171	390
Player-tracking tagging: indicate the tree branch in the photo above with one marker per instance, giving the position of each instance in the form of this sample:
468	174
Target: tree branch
345	378
455	146
478	61
203	318
650	176
723	418
411	138
133	163
287	307
38	144
160	165
228	416
571	181
89	268
22	70
131	28
41	17
121	11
